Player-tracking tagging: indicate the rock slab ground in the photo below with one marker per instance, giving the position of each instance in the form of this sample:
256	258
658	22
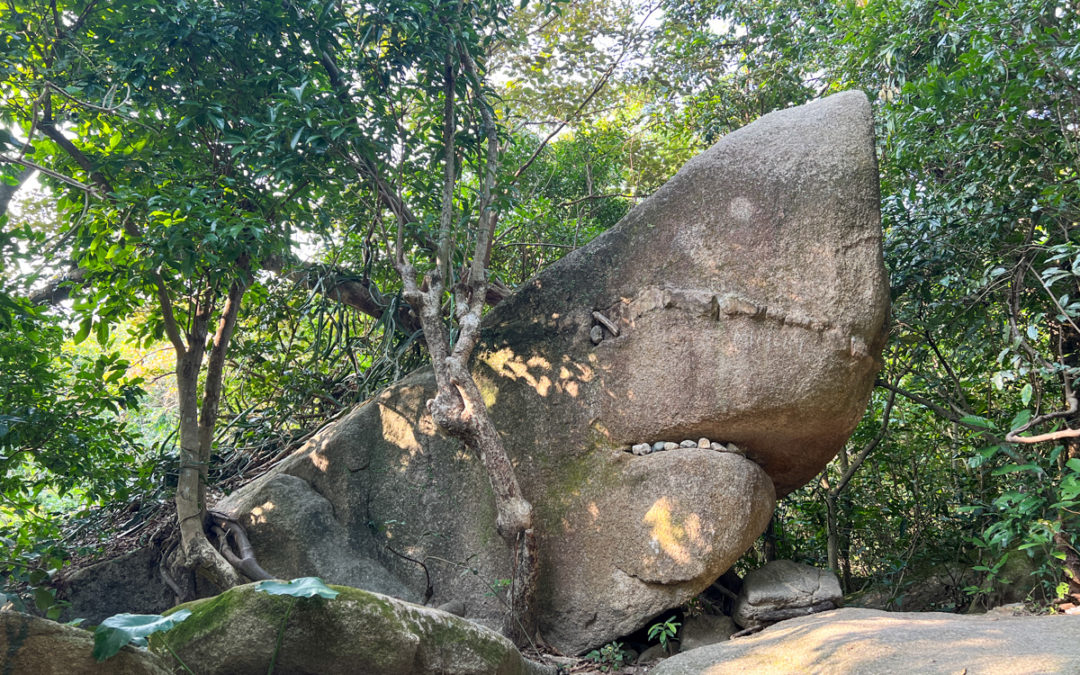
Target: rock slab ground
871	642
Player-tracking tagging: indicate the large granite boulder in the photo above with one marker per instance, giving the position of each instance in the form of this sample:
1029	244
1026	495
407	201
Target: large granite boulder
243	631
32	645
749	300
871	642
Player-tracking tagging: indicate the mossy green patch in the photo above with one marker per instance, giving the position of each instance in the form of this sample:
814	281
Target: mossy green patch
210	614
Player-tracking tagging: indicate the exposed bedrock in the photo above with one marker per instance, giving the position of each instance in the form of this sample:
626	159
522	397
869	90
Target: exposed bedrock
745	302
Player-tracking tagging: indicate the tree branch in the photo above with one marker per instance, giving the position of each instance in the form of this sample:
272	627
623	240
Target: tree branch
868	448
8	191
171	329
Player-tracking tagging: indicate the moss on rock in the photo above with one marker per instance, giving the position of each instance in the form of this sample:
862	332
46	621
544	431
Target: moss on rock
356	632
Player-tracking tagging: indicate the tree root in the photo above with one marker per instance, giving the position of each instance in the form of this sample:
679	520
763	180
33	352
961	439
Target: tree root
243	559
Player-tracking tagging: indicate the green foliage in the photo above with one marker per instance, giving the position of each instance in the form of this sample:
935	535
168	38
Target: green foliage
65	443
610	657
122	629
664	632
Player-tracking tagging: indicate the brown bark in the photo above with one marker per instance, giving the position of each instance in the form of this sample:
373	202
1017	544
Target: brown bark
196	430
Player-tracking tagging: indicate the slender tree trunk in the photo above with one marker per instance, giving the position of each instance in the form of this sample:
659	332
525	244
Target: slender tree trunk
198	554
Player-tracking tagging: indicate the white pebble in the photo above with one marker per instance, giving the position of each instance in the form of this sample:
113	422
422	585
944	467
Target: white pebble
703	443
688	444
642	449
671	446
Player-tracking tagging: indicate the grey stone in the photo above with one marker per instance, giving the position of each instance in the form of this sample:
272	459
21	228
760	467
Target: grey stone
783	214
652	654
658	446
671	445
36	646
871	642
455	607
642	449
688	444
596	334
769	591
703	443
355	633
731	447
719	447
705	629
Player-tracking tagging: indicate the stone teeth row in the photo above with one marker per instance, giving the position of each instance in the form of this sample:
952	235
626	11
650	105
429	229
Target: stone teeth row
703	443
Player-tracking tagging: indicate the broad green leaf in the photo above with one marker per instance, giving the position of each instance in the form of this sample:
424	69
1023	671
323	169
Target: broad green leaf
304	587
122	629
1025	394
84	330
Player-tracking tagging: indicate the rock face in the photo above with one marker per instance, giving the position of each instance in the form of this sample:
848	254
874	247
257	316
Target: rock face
866	641
30	644
300	522
356	633
129	583
783	589
748	300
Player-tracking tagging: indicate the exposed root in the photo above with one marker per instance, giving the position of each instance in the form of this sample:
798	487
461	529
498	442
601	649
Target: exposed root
243	559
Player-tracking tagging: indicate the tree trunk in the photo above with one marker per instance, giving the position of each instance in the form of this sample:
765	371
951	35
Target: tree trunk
197	553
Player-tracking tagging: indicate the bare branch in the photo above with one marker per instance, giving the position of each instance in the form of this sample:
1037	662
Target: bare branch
868	448
171	329
50	173
1015	437
446	215
488	215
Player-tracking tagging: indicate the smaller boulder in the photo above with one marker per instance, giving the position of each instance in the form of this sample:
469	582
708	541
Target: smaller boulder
30	644
783	589
705	629
356	633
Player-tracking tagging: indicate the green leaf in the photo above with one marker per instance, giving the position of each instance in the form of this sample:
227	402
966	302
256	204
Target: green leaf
1025	394
976	421
1074	464
84	330
304	587
122	629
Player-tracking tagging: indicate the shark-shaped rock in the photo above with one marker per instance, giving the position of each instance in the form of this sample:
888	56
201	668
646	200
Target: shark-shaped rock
742	307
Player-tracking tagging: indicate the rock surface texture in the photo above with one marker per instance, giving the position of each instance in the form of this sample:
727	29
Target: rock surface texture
31	645
783	589
871	642
356	633
748	298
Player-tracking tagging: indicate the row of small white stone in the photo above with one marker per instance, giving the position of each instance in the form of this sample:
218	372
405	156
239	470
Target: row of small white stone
702	443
